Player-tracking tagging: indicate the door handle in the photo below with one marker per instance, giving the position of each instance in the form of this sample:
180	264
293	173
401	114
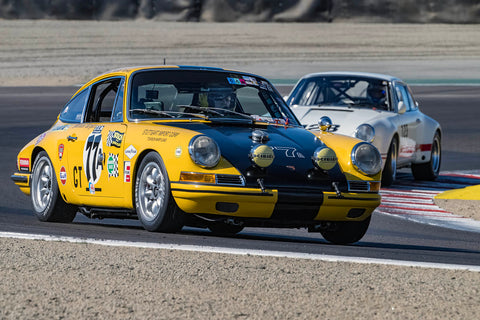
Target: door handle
72	138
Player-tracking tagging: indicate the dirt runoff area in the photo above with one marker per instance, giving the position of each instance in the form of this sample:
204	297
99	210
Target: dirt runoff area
56	280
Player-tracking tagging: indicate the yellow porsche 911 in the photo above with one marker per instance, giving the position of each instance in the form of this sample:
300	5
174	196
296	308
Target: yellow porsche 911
178	146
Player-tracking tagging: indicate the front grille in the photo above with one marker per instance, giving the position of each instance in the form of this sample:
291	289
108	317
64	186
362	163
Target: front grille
359	186
230	179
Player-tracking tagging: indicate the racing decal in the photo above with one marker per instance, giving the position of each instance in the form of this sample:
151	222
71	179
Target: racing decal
40	138
93	157
250	80
234	81
60	128
24	164
114	139
265	86
130	152
112	165
61	148
77	177
290	152
178	152
63	175
126	171
404	130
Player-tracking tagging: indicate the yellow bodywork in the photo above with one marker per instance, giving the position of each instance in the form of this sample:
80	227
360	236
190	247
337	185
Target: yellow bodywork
65	144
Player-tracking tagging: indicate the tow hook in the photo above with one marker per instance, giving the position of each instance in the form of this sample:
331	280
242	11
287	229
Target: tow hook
260	183
337	191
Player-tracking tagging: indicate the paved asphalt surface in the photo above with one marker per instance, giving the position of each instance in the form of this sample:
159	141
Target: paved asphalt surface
29	111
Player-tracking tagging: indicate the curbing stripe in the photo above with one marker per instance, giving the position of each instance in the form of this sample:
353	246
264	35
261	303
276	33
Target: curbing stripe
245	252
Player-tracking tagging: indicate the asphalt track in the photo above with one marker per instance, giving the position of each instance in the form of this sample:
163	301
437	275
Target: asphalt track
29	111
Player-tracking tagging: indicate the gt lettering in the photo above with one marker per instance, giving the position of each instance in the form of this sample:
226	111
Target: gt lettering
77	177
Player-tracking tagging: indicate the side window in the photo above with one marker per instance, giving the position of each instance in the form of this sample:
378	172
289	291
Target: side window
72	112
403	95
102	100
117	114
411	99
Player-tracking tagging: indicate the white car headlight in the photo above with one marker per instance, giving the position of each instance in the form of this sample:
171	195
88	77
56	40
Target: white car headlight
365	132
366	158
204	151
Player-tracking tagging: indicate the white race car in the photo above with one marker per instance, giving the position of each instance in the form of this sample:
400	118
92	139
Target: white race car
376	108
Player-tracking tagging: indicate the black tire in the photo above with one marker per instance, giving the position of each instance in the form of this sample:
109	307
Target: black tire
430	170
47	203
346	232
224	229
389	173
156	208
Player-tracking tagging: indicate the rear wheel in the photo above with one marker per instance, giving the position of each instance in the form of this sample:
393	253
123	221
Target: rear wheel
389	173
431	169
156	208
346	232
47	203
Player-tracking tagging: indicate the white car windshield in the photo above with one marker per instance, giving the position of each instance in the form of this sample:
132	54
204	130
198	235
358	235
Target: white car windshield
341	91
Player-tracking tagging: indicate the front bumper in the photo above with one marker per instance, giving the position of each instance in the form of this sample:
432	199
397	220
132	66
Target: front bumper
22	180
298	205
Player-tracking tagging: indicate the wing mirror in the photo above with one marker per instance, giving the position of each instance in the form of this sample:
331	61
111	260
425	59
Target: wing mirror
401	107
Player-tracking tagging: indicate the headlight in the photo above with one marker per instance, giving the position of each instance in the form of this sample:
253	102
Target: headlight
366	158
204	151
365	132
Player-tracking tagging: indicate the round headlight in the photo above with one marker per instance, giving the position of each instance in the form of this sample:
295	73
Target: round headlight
324	158
204	151
366	158
365	132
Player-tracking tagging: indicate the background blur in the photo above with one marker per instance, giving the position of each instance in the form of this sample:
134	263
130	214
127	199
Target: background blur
397	11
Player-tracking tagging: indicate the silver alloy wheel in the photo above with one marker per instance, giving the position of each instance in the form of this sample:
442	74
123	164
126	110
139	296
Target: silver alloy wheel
42	185
436	155
151	191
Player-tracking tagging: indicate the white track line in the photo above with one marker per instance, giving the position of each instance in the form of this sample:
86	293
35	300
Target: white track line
244	252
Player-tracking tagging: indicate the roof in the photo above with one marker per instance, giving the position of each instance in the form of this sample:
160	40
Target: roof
353	74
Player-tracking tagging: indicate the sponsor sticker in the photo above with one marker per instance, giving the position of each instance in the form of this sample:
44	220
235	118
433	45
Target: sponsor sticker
63	175
126	171
40	138
112	165
130	152
24	164
178	152
61	148
114	139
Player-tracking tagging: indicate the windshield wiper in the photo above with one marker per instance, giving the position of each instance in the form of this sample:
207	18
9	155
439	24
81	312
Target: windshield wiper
218	111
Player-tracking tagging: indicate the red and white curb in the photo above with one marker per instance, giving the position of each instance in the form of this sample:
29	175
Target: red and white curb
413	200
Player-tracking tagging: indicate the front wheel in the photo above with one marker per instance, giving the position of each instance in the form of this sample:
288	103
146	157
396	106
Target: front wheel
389	173
346	232
156	208
47	203
431	169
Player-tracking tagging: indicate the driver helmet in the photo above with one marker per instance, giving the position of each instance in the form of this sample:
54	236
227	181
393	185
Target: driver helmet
376	92
223	100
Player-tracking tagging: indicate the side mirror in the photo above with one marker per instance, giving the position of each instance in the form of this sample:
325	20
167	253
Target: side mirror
402	108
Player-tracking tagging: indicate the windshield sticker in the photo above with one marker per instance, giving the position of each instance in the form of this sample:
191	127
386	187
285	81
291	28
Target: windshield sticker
265	85
250	80
114	139
234	81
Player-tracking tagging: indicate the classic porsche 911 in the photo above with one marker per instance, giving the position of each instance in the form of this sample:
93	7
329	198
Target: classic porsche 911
376	108
178	146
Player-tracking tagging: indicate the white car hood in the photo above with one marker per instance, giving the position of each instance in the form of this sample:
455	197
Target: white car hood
348	119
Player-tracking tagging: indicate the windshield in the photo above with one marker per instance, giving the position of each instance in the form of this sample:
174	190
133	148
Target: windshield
342	91
212	95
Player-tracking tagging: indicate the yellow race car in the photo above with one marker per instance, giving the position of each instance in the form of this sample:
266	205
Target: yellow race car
178	146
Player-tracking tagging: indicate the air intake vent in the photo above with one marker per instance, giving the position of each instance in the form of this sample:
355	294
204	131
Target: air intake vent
230	179
359	186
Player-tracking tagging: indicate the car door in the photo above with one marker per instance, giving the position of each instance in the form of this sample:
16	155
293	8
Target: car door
406	123
96	146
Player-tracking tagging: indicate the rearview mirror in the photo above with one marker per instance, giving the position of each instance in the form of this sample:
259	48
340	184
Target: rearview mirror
401	107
